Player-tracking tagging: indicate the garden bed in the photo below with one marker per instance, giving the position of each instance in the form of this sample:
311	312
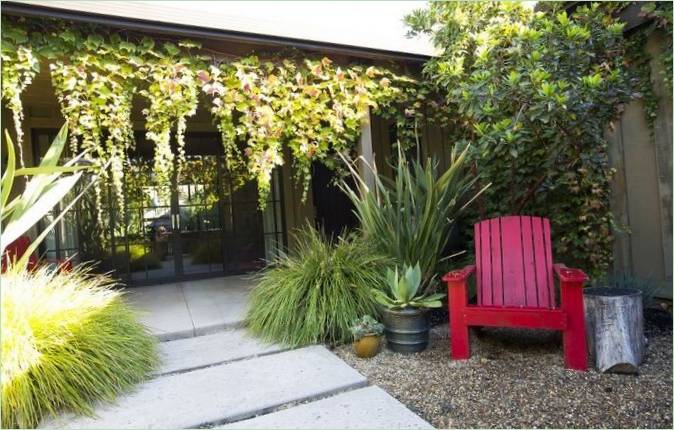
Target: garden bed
516	378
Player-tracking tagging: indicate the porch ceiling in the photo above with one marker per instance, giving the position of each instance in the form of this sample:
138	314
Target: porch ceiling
331	26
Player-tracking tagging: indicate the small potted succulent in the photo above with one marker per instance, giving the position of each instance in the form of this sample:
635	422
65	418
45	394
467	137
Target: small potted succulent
405	312
366	332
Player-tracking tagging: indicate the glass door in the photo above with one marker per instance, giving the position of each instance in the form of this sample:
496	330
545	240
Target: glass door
243	226
198	216
148	240
204	222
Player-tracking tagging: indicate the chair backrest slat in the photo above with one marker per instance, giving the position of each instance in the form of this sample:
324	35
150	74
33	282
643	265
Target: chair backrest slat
496	262
514	262
482	231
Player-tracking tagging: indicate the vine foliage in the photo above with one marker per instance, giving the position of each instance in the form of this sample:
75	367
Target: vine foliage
260	105
19	67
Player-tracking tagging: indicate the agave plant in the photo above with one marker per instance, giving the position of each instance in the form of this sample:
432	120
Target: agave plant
48	185
409	218
403	292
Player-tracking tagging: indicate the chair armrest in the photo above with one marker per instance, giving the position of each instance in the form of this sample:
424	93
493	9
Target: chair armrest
460	275
566	274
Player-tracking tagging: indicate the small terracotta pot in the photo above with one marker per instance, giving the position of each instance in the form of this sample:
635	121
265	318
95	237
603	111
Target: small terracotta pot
367	346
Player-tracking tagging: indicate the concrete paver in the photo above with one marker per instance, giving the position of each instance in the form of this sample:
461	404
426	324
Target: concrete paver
201	351
223	393
364	408
191	308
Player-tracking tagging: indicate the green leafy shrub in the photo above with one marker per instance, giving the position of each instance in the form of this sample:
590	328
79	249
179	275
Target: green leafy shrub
533	93
68	339
409	218
314	293
140	258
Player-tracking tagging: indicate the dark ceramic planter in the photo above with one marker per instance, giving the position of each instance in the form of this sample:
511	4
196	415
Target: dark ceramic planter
406	329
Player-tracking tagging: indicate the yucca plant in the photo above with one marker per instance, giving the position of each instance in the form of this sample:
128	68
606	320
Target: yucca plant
68	339
403	291
49	184
315	293
409	218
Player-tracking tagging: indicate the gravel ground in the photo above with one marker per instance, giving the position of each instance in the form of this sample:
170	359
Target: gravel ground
516	378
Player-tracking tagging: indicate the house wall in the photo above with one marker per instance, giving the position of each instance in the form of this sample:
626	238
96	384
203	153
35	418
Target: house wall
642	186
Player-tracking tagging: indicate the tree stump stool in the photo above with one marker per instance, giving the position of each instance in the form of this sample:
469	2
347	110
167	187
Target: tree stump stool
614	321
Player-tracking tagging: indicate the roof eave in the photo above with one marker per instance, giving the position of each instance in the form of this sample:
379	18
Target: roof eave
182	30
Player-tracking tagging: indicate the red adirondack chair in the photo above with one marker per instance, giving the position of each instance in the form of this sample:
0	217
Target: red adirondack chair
15	250
513	267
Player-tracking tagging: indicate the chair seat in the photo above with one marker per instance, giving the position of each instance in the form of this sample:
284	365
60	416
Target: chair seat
502	316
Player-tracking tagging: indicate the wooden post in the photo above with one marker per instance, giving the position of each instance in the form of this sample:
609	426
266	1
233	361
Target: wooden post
365	150
615	328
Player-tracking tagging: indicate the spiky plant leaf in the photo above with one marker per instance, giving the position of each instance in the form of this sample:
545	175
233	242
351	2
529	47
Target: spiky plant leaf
409	218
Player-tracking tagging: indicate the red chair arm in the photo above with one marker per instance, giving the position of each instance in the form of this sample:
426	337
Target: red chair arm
460	275
566	274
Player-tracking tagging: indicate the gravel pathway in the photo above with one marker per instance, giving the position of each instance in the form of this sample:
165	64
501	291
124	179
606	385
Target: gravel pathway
516	378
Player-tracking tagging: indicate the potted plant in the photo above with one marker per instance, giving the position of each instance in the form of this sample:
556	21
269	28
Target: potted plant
405	311
366	332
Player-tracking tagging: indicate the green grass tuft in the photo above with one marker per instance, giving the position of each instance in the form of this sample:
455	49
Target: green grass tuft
67	340
315	293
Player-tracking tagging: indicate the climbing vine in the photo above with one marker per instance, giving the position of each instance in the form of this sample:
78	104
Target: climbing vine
661	15
261	105
313	107
658	16
20	65
173	97
95	91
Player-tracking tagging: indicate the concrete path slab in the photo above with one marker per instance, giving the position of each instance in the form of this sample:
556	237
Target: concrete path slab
192	308
217	303
365	408
227	392
197	352
163	310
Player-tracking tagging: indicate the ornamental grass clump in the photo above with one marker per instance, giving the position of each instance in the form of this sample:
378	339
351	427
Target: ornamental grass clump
315	293
68	339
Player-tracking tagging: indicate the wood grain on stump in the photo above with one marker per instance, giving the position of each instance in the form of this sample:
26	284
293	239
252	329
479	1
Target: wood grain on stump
615	328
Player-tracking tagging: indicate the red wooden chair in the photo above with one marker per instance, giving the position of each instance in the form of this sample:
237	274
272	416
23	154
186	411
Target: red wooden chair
513	267
15	250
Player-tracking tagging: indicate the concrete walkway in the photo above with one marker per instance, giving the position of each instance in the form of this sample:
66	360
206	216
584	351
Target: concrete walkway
192	308
229	379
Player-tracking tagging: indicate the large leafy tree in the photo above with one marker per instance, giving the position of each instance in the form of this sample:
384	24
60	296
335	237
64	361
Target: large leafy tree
534	92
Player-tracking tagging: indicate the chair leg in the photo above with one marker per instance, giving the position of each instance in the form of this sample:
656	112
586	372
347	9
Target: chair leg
458	329
575	346
459	339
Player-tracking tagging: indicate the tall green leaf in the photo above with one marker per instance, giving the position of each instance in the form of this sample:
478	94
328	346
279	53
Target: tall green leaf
8	175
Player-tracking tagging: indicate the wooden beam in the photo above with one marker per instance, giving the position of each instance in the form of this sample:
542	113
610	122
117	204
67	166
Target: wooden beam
367	152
